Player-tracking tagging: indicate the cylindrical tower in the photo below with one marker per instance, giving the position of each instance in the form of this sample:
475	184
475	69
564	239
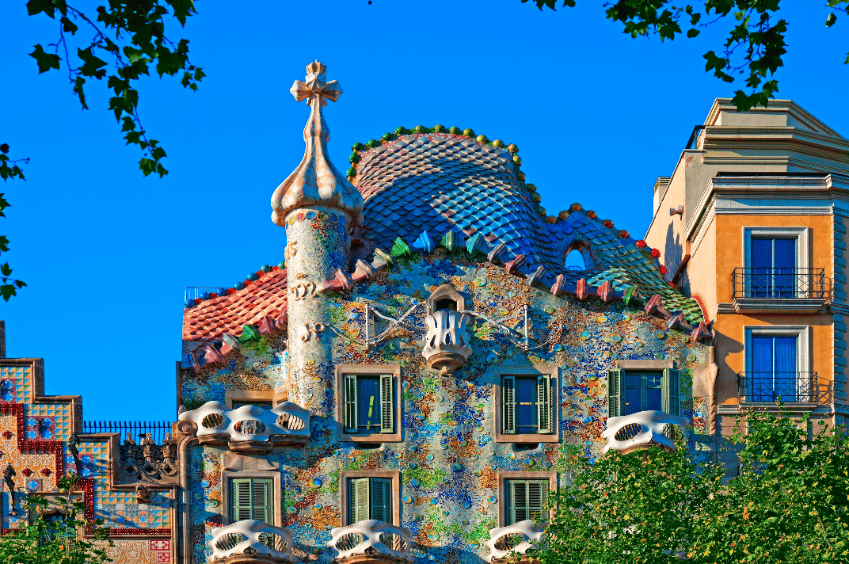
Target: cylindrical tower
319	208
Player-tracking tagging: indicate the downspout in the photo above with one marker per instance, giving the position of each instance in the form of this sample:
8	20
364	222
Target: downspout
189	440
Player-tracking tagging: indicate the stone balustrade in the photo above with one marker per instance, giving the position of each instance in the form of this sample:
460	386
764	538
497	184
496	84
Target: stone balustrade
642	429
370	541
251	541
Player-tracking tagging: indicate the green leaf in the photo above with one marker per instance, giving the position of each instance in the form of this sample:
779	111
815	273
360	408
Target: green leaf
92	65
691	33
37	6
78	90
46	61
5	269
147	166
68	25
829	21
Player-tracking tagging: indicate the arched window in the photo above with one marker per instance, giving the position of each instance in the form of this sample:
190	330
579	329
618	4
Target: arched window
575	261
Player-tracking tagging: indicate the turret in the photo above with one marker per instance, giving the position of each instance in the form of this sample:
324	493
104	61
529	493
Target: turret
319	208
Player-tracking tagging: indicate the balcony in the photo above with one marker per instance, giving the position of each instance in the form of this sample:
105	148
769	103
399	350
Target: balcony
779	290
772	387
251	542
370	542
250	428
642	430
446	344
511	543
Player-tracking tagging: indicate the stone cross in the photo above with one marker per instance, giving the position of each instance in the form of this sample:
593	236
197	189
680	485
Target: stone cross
316	86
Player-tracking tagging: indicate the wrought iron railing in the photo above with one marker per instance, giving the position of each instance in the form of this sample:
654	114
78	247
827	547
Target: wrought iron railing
157	429
779	283
771	387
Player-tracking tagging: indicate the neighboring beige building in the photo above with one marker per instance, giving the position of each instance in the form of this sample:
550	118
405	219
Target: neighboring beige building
753	223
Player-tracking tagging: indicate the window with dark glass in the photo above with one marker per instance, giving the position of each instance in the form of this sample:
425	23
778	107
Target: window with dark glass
526	405
369	404
632	391
236	404
774	368
773	267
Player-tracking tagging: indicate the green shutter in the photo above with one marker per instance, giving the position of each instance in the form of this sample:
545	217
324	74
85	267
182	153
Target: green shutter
241	507
350	403
544	404
508	400
616	392
358	499
381	500
518	501
387	405
252	499
262	500
537	498
671	391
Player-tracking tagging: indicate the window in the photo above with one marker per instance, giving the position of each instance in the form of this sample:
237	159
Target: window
777	365
526	404
773	267
369	403
635	390
526	499
370	495
369	498
252	498
527	398
777	265
524	495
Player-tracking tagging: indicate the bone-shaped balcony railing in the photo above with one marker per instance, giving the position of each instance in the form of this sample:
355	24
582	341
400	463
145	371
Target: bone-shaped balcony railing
642	429
287	423
249	537
512	541
370	537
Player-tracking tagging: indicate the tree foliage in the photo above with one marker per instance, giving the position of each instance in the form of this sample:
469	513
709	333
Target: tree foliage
120	44
790	504
9	169
51	539
753	48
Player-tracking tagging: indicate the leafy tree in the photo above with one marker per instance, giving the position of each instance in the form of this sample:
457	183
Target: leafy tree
753	48
790	504
56	539
120	42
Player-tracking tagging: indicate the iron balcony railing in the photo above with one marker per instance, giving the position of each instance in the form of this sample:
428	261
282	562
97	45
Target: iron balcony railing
779	283
771	387
137	429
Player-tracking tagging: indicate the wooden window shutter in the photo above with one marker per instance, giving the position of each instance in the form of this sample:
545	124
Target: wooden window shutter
616	392
537	498
518	501
241	507
544	417
387	404
358	499
508	401
671	391
350	403
381	500
262	500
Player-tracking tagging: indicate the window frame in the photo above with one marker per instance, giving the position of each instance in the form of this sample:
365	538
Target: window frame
503	491
394	477
803	334
801	234
671	377
553	372
343	370
277	495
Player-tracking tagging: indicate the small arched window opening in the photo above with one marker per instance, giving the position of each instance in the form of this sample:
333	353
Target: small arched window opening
575	261
446	297
579	257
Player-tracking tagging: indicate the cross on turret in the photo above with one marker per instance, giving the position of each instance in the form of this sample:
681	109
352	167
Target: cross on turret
316	86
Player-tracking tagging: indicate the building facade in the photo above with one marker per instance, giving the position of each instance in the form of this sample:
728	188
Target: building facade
407	384
753	224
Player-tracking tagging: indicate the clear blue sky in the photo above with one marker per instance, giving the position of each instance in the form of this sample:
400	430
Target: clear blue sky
597	116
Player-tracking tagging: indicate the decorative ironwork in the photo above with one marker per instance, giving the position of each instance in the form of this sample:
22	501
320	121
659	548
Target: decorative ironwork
9	478
779	283
157	429
771	387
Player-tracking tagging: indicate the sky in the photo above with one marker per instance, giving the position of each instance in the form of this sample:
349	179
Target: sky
106	253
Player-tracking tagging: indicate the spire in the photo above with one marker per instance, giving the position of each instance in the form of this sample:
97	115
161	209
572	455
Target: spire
316	182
